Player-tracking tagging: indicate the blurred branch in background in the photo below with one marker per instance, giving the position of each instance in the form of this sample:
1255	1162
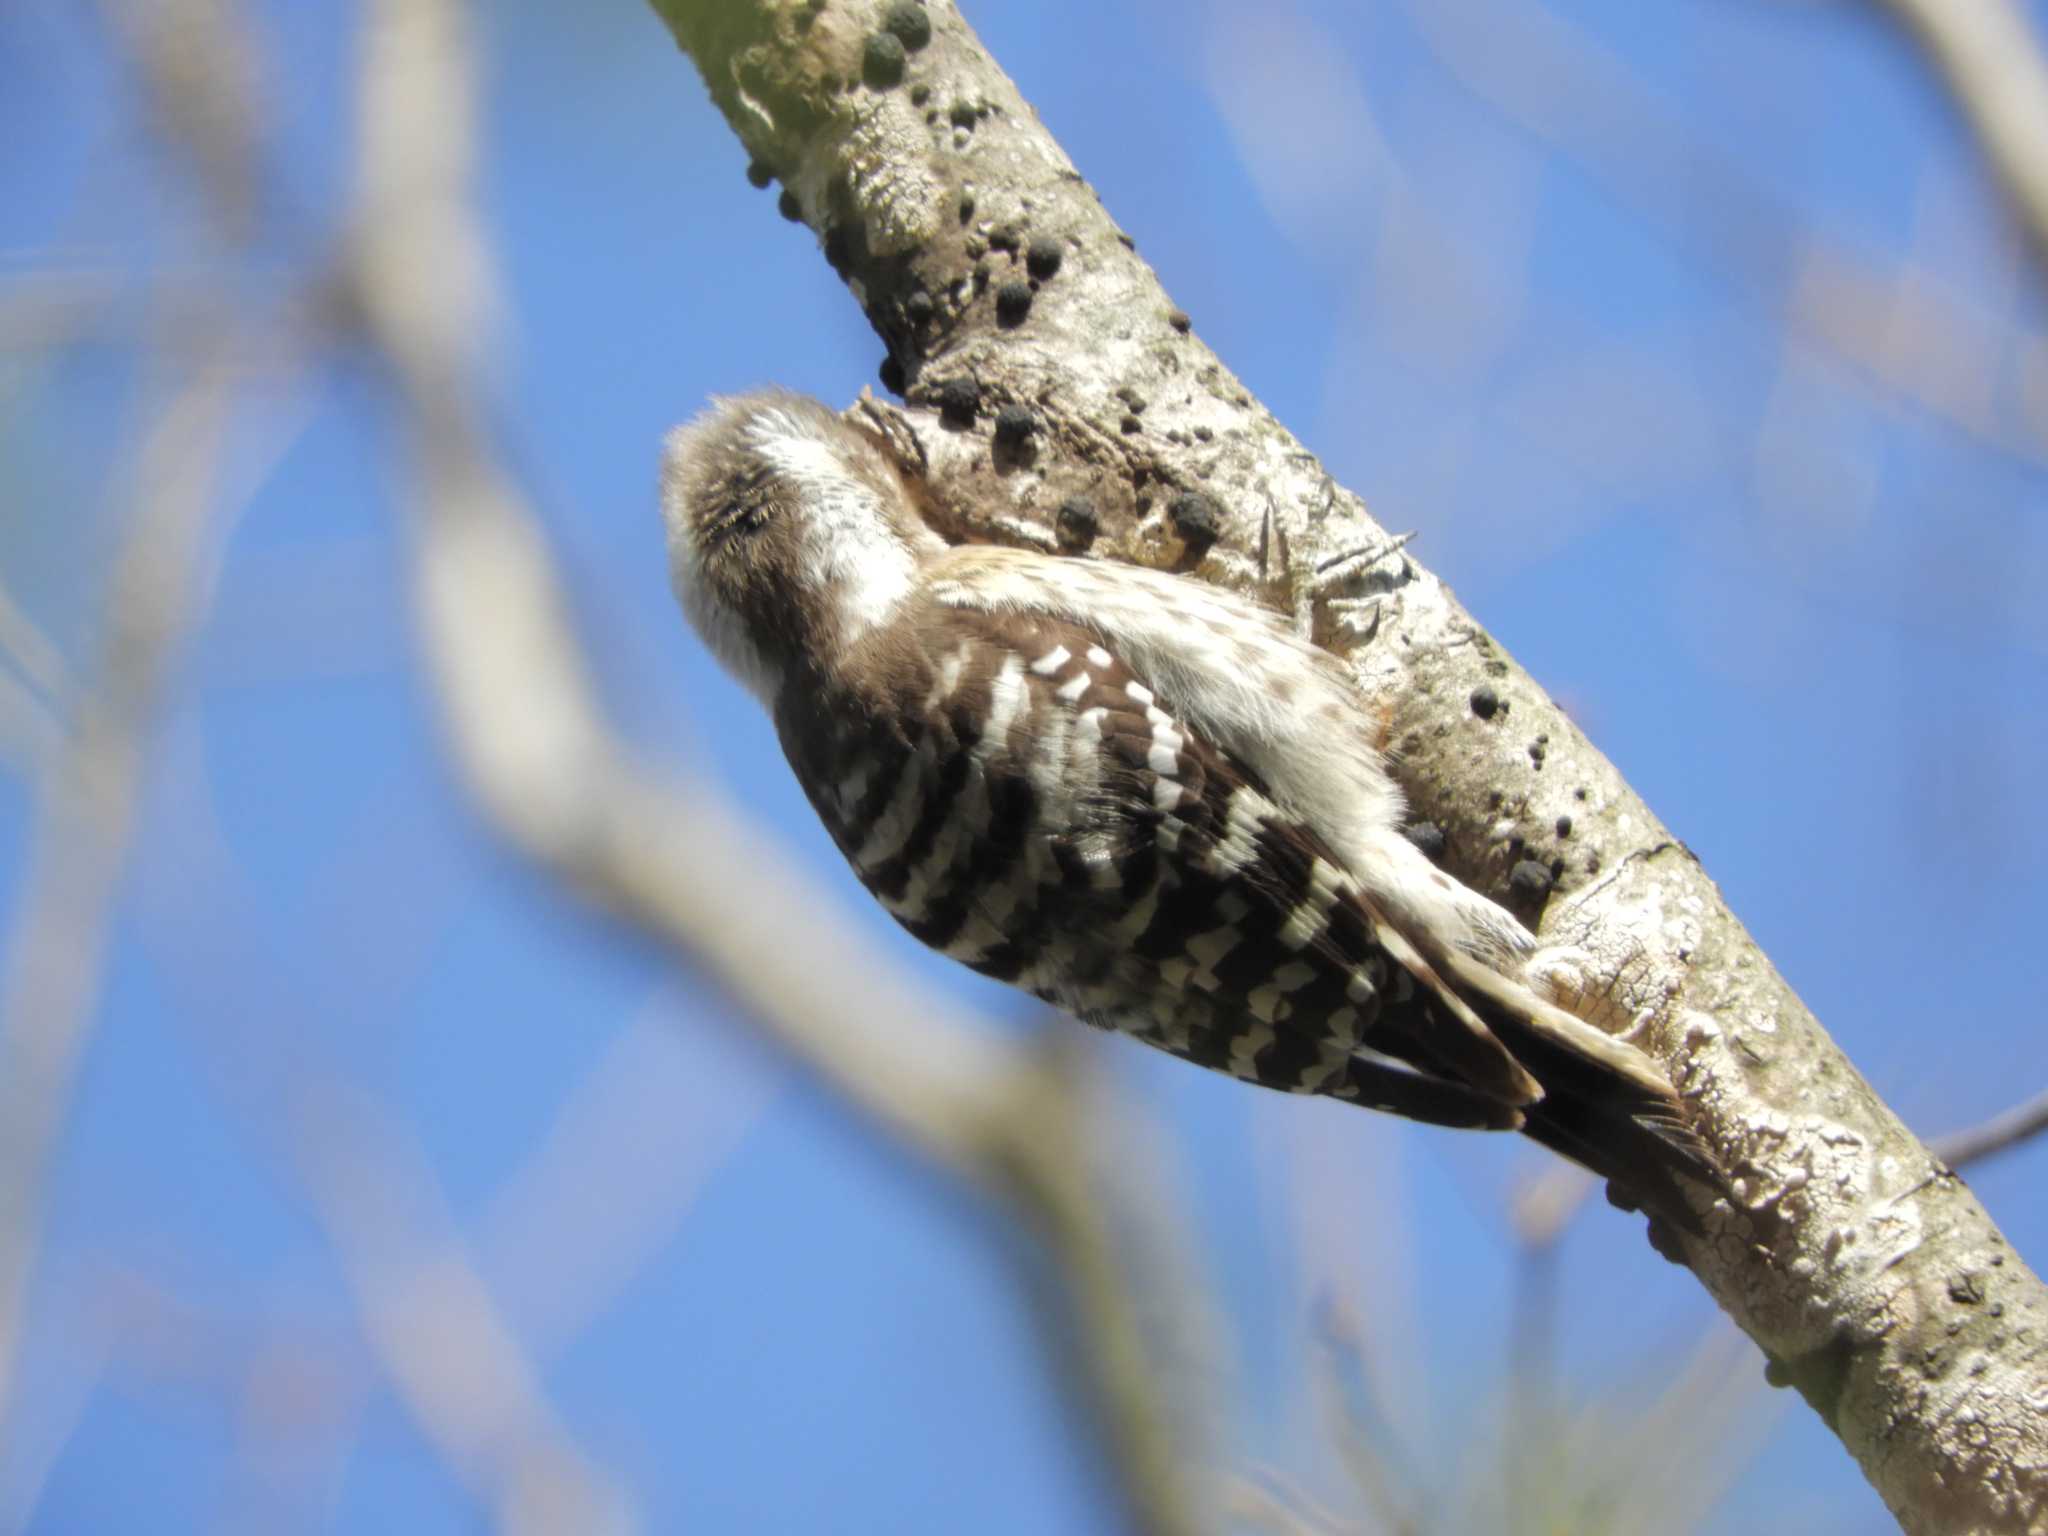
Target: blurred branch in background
433	1326
1990	56
86	796
425	1312
88	784
437	1330
677	862
1998	1134
1909	334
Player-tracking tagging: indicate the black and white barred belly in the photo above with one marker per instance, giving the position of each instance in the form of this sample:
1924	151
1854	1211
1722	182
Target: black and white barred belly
1019	800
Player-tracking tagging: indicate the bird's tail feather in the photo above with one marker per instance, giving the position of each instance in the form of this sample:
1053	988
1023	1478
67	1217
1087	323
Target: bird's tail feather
1605	1104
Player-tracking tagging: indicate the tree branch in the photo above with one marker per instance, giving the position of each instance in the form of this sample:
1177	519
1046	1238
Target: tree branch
1988	54
1998	1134
1867	1272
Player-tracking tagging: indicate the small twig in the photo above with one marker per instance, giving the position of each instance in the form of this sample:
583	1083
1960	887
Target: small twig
30	654
1542	72
194	61
52	969
1988	53
1548	1202
434	1329
1371	554
1998	1134
1365	1443
1266	1495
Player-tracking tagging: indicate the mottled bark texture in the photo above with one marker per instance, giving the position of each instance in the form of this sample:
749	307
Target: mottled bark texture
1060	400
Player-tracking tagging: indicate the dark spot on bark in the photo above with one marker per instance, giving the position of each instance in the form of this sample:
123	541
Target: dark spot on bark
1077	523
919	95
789	207
917	309
892	375
1530	880
961	114
1564	826
1194	518
959	402
758	173
1013	303
1043	258
1429	837
1485	702
908	24
845	245
1131	424
1005	237
1179	320
1014	426
882	61
966	206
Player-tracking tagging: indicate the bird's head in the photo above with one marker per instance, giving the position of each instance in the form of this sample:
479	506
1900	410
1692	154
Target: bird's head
791	533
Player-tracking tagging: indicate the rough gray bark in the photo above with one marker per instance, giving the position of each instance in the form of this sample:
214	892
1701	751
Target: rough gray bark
1865	1269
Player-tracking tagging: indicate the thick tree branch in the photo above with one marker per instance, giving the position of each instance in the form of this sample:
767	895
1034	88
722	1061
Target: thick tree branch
1043	364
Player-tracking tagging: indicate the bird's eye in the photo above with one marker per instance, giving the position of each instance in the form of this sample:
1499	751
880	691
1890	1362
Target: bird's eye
741	506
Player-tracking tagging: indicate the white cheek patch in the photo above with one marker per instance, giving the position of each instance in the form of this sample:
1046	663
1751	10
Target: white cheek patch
851	556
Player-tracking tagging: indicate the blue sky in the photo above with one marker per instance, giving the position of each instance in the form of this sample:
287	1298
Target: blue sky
1692	340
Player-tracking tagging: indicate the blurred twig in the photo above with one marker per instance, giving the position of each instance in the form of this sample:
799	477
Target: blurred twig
1559	82
1366	1442
434	1330
1998	1134
438	1332
1988	53
86	805
30	654
686	869
89	784
433	1327
195	61
1264	1497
